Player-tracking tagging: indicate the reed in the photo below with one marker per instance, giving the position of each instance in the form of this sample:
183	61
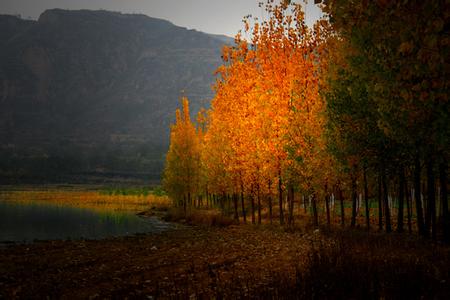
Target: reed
98	200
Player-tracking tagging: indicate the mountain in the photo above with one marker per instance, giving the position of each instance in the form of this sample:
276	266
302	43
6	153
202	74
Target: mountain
94	92
224	38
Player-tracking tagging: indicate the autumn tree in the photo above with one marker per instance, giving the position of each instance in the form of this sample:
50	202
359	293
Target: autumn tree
182	169
399	51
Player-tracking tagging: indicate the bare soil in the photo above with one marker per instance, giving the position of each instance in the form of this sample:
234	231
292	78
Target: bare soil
209	262
183	262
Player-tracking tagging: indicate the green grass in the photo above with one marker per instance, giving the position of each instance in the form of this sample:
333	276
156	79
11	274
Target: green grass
133	191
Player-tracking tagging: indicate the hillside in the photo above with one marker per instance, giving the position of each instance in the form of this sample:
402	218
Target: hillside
93	92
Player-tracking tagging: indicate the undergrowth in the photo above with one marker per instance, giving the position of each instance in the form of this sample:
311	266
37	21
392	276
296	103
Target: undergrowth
360	267
192	216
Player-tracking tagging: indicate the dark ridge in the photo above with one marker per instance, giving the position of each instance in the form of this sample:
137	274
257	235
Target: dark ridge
95	91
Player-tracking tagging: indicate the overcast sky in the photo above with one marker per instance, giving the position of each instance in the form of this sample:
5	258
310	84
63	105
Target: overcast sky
211	16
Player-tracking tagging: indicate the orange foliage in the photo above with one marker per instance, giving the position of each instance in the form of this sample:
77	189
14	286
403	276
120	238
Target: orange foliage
266	117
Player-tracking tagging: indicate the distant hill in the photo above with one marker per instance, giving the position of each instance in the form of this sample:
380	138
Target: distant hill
224	38
94	92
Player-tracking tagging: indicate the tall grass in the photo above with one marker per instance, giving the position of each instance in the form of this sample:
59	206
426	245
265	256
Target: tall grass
193	216
355	267
99	200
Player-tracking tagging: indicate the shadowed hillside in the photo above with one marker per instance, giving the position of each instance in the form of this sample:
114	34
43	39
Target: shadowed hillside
94	92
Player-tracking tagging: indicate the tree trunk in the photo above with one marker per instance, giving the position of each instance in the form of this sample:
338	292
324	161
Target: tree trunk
327	206
380	205
259	205
417	193
341	200
222	202
243	204
304	204
408	206
314	207
270	205
387	214
189	199
444	200
252	199
401	196
291	204
235	201
366	198
280	200
431	195
354	196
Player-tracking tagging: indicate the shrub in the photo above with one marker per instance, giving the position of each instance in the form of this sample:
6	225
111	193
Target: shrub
199	217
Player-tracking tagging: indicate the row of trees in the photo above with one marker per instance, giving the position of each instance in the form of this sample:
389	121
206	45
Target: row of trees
357	105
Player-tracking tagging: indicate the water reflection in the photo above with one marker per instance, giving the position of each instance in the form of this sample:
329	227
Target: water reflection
25	222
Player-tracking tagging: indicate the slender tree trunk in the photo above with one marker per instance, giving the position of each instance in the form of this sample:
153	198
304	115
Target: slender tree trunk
209	204
425	205
280	199
243	204
270	204
444	200
222	202
401	196
291	204
354	196
184	203
408	206
431	195
366	198
252	199
380	205
304	204
327	206
417	193
259	205
235	201
341	200
300	200
314	207
387	214
189	200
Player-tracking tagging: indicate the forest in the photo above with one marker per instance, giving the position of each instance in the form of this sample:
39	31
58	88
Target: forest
347	122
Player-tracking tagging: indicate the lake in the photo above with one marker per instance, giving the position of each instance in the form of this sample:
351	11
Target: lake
37	220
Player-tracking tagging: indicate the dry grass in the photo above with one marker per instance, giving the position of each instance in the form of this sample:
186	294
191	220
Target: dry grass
89	199
354	265
207	217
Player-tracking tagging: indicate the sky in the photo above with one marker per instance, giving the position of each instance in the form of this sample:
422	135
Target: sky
211	16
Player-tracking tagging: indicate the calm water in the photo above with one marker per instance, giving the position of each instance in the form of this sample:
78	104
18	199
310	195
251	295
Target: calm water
26	222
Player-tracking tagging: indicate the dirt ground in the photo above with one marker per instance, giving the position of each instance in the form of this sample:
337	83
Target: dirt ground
187	261
204	262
